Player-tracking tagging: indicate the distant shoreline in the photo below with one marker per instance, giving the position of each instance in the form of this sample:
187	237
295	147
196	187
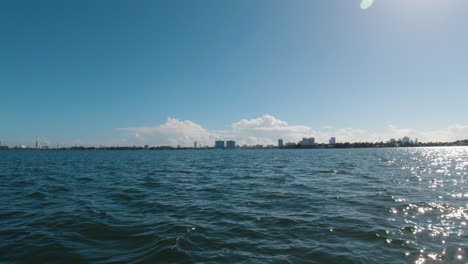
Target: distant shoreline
315	146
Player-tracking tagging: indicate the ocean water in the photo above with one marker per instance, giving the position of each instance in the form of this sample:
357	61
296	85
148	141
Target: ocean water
406	205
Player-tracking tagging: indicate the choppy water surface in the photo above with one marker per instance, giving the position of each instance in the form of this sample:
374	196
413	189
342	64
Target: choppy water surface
240	206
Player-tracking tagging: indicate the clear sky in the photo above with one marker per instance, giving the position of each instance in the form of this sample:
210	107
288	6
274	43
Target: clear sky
103	71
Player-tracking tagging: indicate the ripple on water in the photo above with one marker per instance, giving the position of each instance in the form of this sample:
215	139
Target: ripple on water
37	195
265	206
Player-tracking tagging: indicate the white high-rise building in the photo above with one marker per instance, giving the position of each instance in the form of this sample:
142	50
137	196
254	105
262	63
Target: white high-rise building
280	143
405	140
219	144
230	144
307	141
332	141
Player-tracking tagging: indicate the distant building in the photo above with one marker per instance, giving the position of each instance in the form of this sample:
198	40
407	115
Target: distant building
195	144
290	144
146	146
332	141
392	141
230	144
280	143
37	144
219	144
2	146
405	140
415	141
307	141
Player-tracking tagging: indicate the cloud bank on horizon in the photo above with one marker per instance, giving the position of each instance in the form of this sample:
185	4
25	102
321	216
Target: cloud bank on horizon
267	129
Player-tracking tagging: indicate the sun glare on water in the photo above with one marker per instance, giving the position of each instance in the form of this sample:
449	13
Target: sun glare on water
365	4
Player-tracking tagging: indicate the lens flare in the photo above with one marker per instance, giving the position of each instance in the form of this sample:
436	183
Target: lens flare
365	4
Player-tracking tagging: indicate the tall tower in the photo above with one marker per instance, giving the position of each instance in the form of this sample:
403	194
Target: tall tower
37	144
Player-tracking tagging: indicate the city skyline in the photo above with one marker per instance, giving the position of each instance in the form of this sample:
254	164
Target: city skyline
305	143
265	130
164	72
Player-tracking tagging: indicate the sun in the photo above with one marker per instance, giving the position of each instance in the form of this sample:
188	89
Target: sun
365	4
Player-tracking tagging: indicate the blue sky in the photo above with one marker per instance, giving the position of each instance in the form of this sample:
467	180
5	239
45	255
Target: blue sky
91	71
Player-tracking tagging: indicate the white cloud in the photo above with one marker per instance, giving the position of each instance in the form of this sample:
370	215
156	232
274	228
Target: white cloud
458	131
452	133
173	132
268	129
264	122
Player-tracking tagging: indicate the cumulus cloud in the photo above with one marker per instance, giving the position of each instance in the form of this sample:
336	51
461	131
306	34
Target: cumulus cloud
268	129
264	122
173	132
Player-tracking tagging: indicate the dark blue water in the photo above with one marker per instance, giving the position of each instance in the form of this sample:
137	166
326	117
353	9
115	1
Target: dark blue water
235	206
